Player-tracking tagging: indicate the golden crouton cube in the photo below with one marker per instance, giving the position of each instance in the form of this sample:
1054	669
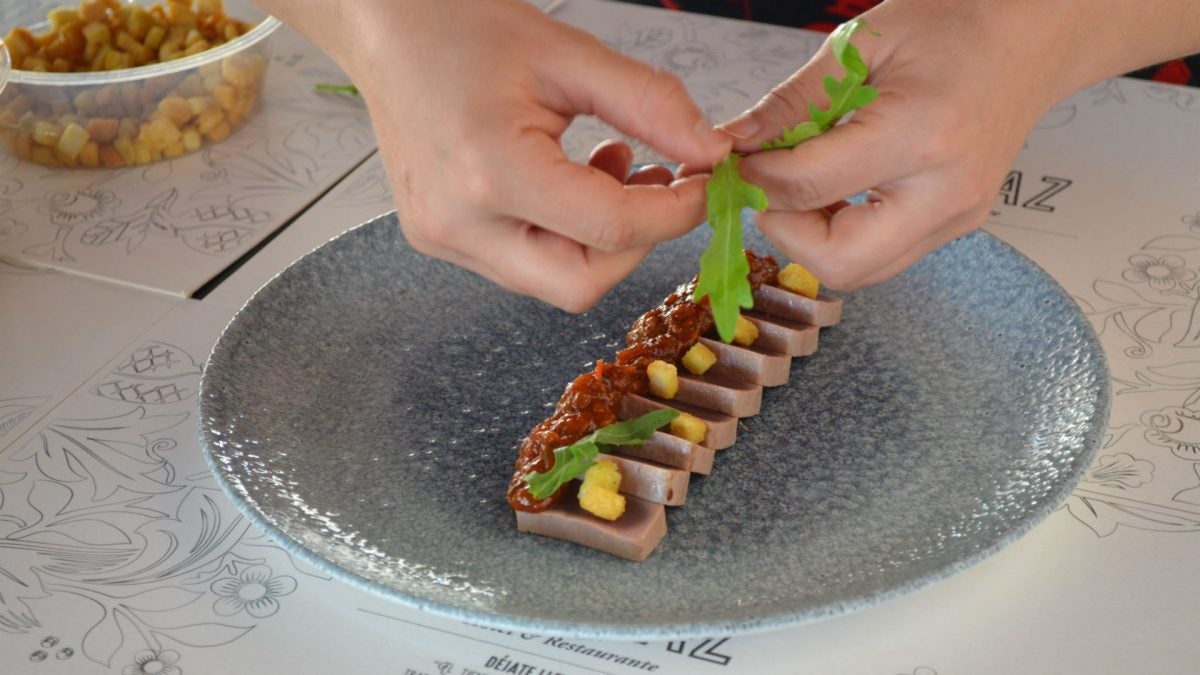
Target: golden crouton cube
177	109
598	494
110	157
698	359
102	129
603	474
689	428
799	280
89	156
745	332
154	37
72	140
47	134
664	378
191	139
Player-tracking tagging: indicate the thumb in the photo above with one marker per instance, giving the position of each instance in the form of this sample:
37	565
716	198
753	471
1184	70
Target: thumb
785	106
647	103
789	103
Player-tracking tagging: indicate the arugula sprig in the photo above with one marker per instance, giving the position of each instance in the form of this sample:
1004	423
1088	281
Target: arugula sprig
723	267
845	95
573	460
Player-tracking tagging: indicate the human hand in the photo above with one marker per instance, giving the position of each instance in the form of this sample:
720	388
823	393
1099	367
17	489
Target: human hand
957	98
469	99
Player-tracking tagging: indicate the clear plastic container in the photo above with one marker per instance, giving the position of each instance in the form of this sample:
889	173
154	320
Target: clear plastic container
139	115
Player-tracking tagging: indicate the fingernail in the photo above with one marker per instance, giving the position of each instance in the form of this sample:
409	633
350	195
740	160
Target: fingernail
710	135
742	128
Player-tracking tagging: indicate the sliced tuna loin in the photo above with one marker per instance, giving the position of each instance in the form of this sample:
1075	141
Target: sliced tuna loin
672	451
652	482
633	536
824	310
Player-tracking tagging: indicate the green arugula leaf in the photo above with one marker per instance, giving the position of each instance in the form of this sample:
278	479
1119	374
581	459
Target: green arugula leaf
845	95
723	267
634	431
569	463
572	461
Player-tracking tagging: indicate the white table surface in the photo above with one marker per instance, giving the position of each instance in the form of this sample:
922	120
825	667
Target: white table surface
118	552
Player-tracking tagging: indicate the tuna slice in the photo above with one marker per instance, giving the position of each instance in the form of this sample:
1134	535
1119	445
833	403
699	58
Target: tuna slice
652	482
633	536
722	394
749	364
824	310
672	451
722	429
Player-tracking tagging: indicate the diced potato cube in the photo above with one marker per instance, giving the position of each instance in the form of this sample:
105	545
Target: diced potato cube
191	139
61	16
176	109
699	359
219	132
102	129
97	33
237	71
25	144
226	96
46	133
745	332
20	43
128	126
180	12
209	7
603	474
196	47
43	155
124	146
603	504
72	140
154	37
115	59
689	427
19	105
173	150
138	22
158	133
92	10
664	379
89	156
598	494
110	157
796	279
126	41
142	154
209	119
168	52
199	104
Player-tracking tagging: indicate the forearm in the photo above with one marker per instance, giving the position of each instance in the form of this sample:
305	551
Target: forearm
1081	42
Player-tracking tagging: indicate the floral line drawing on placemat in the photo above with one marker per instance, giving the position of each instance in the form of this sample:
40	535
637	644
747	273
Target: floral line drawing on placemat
15	410
1150	313
1158	298
118	517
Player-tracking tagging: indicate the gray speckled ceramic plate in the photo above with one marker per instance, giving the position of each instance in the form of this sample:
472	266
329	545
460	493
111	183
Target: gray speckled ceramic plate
365	408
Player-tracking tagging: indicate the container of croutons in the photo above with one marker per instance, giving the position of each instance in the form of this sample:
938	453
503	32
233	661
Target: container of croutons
111	83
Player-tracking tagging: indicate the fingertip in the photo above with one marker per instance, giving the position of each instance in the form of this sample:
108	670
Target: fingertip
613	157
653	174
714	143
